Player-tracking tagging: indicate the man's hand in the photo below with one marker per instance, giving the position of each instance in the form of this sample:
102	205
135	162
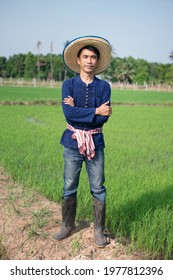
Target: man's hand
104	110
69	100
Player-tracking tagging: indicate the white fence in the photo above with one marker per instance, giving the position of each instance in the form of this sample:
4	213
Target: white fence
30	83
145	86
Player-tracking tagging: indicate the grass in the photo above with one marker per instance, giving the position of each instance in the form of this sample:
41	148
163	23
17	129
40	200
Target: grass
30	141
132	97
3	253
138	167
75	244
29	94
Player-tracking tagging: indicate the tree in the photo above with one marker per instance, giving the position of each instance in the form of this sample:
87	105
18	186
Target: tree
51	64
142	71
125	71
19	65
15	66
111	73
171	56
30	66
58	67
10	67
157	72
169	75
42	67
3	66
38	58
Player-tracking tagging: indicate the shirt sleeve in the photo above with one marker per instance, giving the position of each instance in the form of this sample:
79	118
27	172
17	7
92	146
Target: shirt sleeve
75	114
106	96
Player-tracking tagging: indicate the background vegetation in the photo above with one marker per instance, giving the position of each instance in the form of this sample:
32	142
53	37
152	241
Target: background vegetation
51	66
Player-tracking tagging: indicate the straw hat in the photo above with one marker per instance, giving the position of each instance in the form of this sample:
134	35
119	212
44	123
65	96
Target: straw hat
71	50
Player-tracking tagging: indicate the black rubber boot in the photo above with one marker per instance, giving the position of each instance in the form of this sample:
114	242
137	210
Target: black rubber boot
99	223
68	218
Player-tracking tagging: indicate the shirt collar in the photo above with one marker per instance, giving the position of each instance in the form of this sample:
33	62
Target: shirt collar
79	81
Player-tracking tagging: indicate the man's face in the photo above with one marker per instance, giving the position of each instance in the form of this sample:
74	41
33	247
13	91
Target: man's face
87	61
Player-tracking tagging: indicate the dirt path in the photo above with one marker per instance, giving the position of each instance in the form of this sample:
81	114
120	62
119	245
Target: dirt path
28	222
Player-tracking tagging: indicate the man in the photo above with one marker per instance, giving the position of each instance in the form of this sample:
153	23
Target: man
86	106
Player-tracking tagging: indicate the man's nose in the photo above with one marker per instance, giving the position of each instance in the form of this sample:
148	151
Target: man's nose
89	59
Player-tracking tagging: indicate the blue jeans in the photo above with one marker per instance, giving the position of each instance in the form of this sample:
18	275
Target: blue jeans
95	168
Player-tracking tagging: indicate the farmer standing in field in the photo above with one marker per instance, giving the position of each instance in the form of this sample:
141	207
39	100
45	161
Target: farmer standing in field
86	106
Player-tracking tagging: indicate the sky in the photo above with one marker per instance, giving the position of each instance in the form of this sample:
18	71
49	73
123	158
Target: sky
137	28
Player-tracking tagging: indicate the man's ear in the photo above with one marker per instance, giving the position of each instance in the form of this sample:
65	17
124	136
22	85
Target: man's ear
78	60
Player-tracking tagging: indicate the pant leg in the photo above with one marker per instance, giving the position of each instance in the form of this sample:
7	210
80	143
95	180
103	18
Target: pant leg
95	170
72	168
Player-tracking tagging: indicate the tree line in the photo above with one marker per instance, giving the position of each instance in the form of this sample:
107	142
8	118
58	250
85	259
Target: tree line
51	66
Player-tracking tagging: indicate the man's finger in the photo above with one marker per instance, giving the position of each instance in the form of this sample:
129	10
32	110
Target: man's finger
106	103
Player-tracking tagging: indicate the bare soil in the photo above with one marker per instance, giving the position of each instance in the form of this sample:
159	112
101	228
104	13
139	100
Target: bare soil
28	221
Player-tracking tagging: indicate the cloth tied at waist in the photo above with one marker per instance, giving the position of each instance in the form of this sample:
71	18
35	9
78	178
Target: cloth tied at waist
85	140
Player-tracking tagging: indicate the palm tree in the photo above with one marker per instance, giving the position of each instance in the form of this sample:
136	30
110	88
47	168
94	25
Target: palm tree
51	64
113	52
125	72
38	58
171	55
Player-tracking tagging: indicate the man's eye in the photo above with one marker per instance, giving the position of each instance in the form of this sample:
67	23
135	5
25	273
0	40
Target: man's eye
94	57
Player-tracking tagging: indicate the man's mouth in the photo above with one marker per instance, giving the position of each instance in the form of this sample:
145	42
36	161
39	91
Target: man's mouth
89	66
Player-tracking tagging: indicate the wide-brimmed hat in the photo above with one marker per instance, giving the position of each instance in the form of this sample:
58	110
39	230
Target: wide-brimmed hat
71	50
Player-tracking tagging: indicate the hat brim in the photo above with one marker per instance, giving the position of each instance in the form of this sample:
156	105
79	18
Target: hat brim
71	51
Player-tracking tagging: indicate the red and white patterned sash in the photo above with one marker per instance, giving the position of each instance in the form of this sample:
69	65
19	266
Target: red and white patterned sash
85	140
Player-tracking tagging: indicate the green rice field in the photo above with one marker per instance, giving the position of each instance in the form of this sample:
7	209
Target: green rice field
138	160
34	94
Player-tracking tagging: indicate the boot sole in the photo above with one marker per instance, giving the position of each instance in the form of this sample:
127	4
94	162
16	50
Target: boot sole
104	245
71	233
100	246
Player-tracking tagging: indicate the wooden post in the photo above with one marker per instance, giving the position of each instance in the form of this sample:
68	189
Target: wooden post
34	82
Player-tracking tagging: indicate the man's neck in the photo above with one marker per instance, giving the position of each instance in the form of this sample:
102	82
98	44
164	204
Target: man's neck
87	78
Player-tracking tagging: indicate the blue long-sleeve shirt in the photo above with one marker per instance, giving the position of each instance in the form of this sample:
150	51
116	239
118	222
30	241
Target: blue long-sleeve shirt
82	116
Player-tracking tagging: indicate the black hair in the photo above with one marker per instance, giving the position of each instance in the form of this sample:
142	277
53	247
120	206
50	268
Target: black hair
90	48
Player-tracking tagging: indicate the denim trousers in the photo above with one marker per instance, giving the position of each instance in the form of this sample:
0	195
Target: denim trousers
73	161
